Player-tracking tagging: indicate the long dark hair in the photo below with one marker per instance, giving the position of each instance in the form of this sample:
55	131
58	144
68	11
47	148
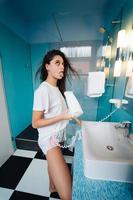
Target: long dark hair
42	71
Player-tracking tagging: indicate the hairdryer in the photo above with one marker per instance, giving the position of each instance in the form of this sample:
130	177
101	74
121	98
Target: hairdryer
73	106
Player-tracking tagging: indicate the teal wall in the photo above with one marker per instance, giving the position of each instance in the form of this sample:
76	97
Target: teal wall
17	75
37	53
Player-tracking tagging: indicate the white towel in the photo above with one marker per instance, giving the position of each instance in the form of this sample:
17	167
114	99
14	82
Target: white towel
73	104
96	84
129	88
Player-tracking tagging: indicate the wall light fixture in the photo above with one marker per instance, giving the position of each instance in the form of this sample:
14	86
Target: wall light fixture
124	53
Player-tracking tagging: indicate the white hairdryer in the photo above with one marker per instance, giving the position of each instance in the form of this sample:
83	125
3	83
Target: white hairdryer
73	106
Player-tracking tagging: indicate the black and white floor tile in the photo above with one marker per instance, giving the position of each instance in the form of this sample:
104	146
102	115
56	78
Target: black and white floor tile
24	177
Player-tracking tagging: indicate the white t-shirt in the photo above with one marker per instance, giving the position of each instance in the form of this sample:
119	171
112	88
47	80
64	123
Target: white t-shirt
49	99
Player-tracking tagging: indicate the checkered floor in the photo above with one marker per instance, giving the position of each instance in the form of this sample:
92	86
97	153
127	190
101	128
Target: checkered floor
24	177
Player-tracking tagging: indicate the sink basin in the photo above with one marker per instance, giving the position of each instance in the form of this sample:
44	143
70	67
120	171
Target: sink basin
107	154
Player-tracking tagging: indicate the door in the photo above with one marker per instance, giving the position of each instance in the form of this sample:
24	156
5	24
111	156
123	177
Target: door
6	147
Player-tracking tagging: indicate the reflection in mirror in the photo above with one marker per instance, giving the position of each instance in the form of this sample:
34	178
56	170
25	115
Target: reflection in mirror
119	71
126	76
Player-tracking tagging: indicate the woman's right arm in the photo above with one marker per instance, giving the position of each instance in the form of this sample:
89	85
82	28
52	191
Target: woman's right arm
38	119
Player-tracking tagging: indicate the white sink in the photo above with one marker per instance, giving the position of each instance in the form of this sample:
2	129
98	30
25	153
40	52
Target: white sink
107	154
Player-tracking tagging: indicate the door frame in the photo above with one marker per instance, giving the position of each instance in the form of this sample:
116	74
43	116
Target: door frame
6	145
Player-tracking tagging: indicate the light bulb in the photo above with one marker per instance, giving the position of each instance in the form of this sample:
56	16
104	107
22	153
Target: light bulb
117	68
106	51
121	39
106	71
130	39
129	69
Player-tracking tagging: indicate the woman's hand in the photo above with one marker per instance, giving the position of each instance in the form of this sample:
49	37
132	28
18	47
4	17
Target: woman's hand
66	115
77	121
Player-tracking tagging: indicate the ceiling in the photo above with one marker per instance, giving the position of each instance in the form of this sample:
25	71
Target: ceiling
38	21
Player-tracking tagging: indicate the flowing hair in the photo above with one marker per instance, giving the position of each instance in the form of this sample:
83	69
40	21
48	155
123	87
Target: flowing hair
68	69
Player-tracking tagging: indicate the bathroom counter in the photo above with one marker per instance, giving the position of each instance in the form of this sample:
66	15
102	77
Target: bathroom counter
90	189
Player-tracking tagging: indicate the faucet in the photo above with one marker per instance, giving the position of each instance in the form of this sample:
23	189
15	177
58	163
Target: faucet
125	125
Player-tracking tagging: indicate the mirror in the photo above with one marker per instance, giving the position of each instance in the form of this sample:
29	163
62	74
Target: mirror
123	21
126	23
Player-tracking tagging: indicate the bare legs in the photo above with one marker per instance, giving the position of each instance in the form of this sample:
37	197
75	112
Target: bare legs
59	173
51	184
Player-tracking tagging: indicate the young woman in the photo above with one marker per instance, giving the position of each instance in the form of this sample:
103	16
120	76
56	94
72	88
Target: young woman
50	117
